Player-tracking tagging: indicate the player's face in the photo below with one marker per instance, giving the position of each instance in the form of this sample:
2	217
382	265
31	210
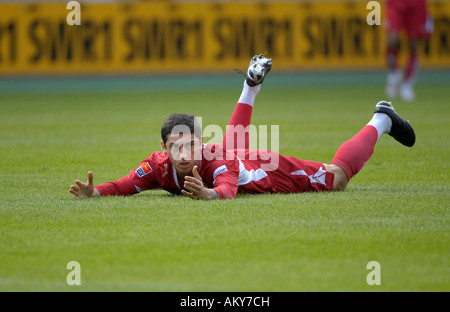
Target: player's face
184	153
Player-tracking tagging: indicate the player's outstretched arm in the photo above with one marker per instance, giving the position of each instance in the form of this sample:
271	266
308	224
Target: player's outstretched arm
84	190
196	188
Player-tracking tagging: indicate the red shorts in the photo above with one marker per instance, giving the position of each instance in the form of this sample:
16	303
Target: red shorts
296	175
409	15
270	172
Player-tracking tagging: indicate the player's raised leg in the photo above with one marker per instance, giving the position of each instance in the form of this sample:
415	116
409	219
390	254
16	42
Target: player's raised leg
395	74
353	154
237	133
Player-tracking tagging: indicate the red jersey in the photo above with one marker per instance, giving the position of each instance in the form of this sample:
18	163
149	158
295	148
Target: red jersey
249	171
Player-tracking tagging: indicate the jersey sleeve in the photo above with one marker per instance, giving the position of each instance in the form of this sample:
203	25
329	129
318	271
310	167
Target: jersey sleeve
220	170
226	180
140	179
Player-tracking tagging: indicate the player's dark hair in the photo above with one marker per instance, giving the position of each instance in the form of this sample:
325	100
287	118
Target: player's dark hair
180	120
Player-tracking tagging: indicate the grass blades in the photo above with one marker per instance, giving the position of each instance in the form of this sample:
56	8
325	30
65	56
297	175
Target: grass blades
53	131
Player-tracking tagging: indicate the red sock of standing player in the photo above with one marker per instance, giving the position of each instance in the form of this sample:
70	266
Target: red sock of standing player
392	58
411	68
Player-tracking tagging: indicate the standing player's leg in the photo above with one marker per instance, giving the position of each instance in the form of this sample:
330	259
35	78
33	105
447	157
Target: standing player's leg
395	22
411	69
237	133
395	73
353	154
419	26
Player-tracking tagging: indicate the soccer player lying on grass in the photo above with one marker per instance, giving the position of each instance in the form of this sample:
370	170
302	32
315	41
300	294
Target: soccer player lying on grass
217	171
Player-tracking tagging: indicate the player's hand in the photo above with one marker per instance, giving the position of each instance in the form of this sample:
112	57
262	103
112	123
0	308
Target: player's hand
195	187
84	190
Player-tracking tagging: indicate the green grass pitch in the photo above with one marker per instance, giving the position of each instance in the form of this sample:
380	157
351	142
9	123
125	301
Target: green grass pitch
54	130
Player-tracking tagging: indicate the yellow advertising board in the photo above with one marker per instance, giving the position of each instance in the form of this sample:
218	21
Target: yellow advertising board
154	37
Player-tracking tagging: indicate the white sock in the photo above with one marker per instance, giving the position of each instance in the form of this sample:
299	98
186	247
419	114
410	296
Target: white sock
249	94
382	122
